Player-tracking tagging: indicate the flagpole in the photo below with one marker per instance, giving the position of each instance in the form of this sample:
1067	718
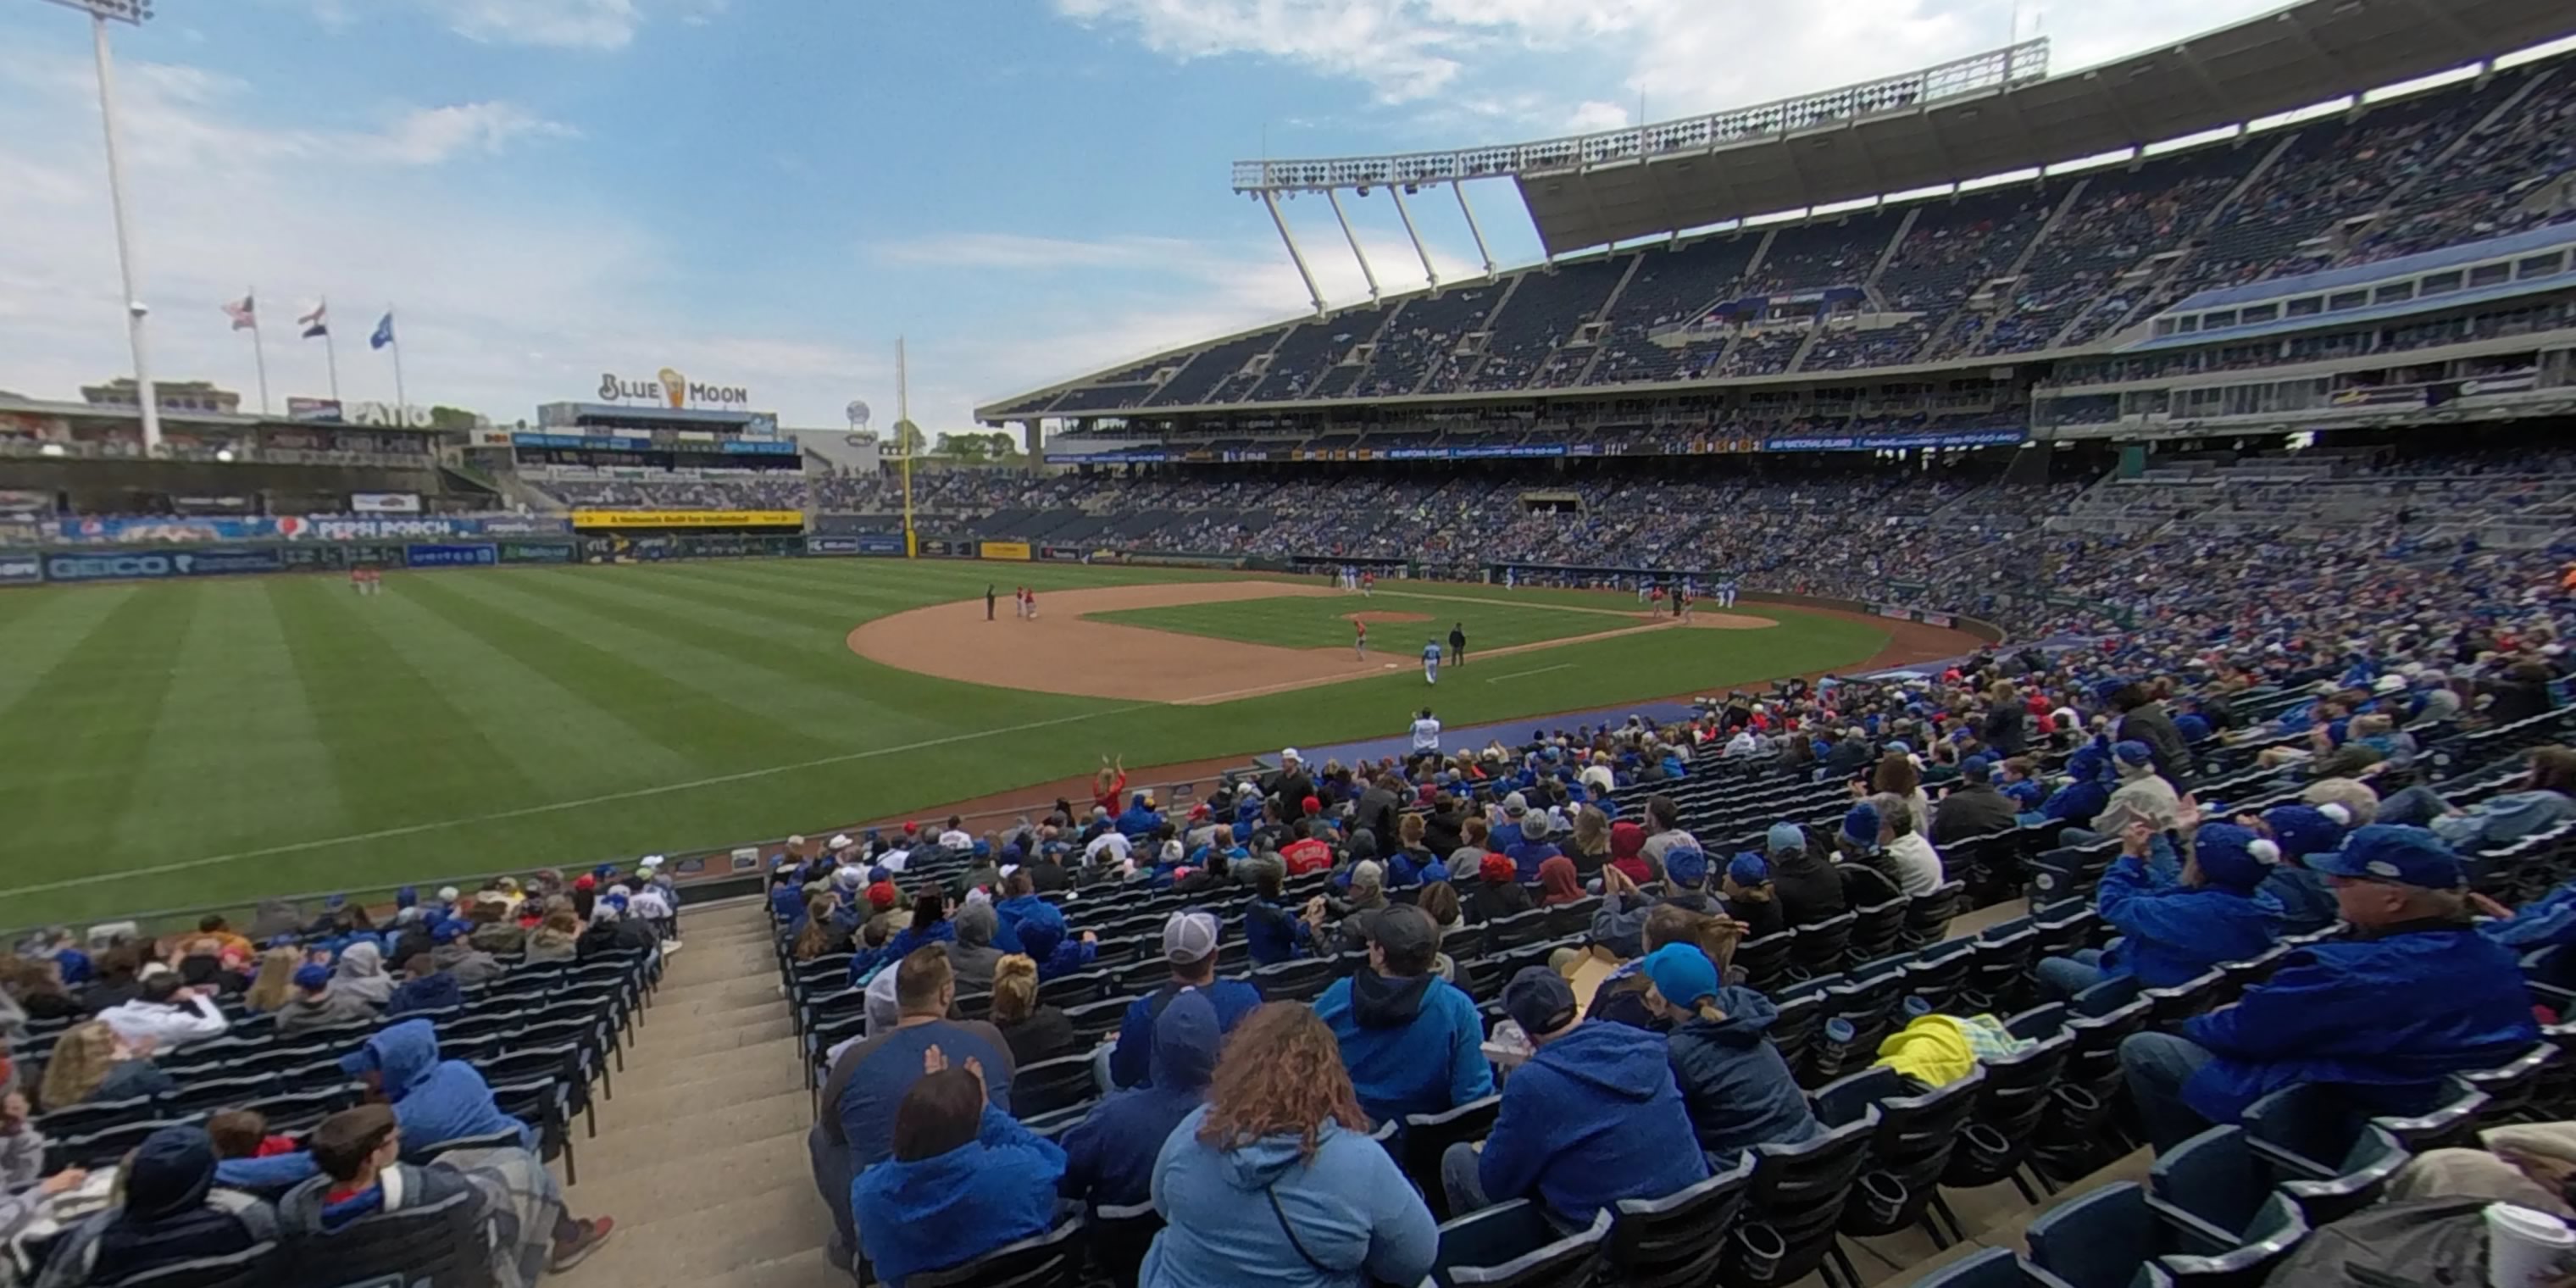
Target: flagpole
331	358
258	349
402	401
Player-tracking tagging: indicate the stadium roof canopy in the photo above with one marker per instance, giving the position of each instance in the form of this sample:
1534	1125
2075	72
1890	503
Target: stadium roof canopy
1592	190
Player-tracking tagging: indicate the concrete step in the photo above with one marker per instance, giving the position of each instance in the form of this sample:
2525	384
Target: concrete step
804	1270
732	988
711	1033
735	1150
755	1074
653	1073
710	1006
699	1233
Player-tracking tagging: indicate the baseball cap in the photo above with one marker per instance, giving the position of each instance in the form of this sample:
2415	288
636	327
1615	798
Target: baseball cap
1681	972
840	841
2388	684
313	978
882	895
2130	751
1536	827
1189	937
1748	869
2386	852
1402	929
1976	769
1788	838
1539	1001
1289	753
1516	805
1686	866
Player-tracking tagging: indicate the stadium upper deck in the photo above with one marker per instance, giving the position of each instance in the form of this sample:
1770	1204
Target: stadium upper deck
2075	261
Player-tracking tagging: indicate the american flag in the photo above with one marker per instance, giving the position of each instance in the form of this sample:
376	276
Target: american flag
244	313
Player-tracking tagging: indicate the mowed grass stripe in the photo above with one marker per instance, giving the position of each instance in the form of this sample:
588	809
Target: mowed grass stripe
400	749
727	715
548	732
770	603
1312	622
72	744
54	626
271	771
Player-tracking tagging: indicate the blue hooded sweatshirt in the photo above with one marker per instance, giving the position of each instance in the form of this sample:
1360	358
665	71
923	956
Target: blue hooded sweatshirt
2384	1018
1591	1120
1350	1208
1130	1062
1413	1045
1109	1156
2175	933
1139	821
949	1209
434	1101
1738	1090
1027	909
1273	932
899	946
1056	956
2548	920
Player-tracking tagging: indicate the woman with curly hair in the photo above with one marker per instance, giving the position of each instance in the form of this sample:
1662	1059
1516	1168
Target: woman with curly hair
1276	1180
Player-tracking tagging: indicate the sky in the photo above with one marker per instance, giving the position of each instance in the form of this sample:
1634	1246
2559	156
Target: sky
767	193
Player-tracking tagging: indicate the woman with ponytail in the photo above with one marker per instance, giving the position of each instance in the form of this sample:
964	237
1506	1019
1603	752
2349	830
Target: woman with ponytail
1738	1090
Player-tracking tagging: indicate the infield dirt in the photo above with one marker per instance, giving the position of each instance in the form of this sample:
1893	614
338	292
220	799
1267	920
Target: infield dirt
1064	652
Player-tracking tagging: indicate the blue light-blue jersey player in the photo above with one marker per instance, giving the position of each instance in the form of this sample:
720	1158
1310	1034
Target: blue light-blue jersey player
1431	662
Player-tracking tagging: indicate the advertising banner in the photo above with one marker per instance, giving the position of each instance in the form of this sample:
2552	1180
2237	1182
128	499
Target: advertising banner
384	503
1006	549
538	552
523	527
162	529
314	410
832	545
329	527
154	567
21	569
1070	554
1875	442
25	503
419	556
880	545
688	519
948	547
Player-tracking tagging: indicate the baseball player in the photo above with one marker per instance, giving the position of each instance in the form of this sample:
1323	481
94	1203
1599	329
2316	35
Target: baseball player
1359	644
1726	593
1431	661
1368	585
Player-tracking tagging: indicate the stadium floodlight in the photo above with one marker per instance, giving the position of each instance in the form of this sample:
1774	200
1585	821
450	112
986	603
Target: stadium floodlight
132	13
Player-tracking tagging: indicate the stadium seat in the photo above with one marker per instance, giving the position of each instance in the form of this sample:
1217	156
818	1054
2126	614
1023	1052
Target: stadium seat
1927	916
1874	930
1050	1260
1992	1268
1677	1241
1819	948
1426	1137
1120	1237
257	1266
1050	1085
1799	1191
1512	1245
436	1245
1918	1129
2104	1239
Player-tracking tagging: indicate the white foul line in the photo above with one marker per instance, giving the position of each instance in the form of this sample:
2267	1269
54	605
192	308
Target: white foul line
1561	666
527	811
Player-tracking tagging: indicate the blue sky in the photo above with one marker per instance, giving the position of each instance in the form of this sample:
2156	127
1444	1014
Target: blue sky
767	192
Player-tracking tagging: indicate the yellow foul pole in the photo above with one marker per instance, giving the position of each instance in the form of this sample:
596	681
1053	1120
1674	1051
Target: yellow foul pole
903	432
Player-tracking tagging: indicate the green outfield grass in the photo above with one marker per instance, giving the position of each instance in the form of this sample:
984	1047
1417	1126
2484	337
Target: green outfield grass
180	743
1491	622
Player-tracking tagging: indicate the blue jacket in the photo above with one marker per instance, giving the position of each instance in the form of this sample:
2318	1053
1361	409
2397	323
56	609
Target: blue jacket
1738	1090
1591	1120
1413	1045
949	1209
1527	855
1055	955
427	993
1350	1209
2307	902
1129	1064
1272	932
787	903
434	1101
898	946
2385	1019
1109	1155
1028	909
2175	933
2550	919
2076	802
1138	821
267	1177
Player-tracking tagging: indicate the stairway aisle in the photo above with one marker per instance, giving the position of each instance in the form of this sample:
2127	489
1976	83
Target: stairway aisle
701	1157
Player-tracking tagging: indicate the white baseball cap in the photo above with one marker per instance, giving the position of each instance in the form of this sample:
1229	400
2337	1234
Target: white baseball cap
841	841
1289	753
795	841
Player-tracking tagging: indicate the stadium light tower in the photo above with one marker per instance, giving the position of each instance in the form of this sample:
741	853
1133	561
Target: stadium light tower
134	12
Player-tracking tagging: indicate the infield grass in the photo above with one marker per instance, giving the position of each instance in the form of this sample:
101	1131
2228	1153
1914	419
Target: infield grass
1324	621
170	744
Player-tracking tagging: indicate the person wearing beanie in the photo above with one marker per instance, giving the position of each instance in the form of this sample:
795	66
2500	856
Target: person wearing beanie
318	1004
170	1211
1747	895
1588	1121
1803	879
1619	924
1973	807
2086	791
2377	1020
2307	901
2173	934
1413	1043
1735	1085
1190	943
1536	847
1496	892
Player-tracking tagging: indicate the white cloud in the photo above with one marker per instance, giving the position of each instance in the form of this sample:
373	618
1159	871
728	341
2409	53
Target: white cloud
564	24
1593	115
1683	55
429	135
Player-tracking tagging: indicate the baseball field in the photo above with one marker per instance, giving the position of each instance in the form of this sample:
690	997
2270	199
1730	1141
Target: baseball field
213	741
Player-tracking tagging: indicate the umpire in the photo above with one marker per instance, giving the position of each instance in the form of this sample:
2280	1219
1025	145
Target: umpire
1457	644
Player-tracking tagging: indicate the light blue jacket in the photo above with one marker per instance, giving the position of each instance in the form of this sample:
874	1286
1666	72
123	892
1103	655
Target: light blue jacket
1350	1209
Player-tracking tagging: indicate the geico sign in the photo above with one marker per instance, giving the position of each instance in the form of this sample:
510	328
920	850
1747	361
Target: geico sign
96	567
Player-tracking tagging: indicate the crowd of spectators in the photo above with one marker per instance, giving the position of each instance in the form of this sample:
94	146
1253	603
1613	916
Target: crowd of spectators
762	490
